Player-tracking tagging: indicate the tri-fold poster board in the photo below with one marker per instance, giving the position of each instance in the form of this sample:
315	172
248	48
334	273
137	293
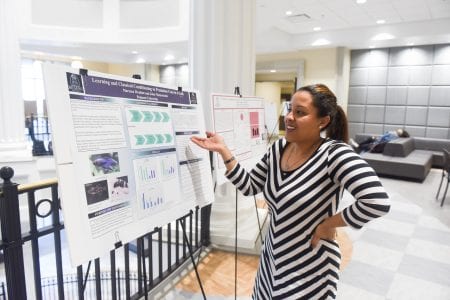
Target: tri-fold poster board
124	158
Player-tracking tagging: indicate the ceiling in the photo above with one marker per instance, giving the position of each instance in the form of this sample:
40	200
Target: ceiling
349	24
288	26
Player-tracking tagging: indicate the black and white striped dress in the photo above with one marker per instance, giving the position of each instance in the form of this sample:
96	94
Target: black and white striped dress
298	201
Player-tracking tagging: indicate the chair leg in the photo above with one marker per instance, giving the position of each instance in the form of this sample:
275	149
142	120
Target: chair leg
440	184
445	192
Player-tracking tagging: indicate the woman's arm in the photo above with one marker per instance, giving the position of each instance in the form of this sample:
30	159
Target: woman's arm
354	174
214	142
249	183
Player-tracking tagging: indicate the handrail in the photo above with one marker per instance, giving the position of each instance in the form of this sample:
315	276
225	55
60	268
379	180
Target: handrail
37	185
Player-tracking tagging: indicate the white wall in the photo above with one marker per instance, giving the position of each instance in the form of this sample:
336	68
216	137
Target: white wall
127	70
271	92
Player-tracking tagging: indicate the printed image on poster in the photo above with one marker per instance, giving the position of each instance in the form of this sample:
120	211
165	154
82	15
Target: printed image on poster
96	191
104	163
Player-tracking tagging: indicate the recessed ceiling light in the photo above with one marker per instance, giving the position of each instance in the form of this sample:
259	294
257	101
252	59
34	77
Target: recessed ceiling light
381	21
288	13
75	58
360	1
140	60
169	57
383	36
273	71
321	42
410	44
134	52
317	28
371	46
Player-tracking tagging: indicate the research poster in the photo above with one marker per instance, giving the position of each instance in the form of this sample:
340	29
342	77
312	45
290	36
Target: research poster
241	122
124	157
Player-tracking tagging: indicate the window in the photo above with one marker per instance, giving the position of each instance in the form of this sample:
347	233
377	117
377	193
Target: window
36	119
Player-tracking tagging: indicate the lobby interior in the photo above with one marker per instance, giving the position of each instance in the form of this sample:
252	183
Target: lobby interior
387	61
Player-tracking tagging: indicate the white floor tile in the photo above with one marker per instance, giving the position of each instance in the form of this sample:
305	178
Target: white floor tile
409	208
346	292
433	223
391	226
429	250
376	256
409	288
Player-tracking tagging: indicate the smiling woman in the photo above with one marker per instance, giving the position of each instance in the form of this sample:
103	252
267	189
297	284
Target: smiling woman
302	177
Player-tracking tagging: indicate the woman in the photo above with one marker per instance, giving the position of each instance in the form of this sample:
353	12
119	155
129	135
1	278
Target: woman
302	177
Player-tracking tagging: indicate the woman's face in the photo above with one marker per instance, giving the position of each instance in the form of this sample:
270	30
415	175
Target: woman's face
302	121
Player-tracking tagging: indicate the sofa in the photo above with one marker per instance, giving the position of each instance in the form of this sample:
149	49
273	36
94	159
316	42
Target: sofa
407	158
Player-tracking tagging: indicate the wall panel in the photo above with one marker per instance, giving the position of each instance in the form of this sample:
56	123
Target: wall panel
402	87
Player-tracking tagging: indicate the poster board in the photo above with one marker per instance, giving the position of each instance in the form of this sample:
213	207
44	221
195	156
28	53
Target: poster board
241	122
124	158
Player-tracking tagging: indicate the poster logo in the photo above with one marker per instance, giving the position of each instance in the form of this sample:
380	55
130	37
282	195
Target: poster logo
74	82
193	98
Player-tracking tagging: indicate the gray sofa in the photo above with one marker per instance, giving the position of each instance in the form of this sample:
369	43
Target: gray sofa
409	158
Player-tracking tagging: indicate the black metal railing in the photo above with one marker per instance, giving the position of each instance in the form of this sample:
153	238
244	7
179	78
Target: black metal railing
143	263
49	285
2	291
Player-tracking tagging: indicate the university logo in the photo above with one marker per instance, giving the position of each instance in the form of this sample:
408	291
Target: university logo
193	97
74	82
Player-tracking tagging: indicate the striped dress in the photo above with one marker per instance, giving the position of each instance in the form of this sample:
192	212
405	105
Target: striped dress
298	201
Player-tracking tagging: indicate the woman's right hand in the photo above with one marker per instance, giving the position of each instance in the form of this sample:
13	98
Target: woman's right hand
212	142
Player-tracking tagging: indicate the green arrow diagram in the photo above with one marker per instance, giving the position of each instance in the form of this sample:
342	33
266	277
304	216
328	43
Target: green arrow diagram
168	138
148	116
139	140
165	117
157	116
135	116
160	138
150	138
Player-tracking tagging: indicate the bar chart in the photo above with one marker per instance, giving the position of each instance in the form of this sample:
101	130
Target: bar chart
151	198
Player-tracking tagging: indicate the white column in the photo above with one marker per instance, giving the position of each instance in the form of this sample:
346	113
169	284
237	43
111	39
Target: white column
343	76
12	120
222	56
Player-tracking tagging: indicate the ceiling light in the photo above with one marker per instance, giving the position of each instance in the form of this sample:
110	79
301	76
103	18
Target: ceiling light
140	60
75	58
383	36
134	52
273	71
381	21
288	13
360	1
76	64
321	42
317	28
169	57
371	46
410	44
